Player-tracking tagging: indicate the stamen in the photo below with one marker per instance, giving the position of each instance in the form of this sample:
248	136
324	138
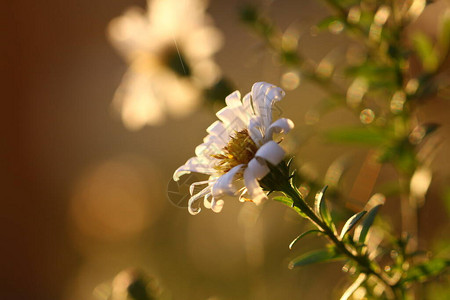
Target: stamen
239	150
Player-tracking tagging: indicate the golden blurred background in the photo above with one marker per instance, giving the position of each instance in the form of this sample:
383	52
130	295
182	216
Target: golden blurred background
86	198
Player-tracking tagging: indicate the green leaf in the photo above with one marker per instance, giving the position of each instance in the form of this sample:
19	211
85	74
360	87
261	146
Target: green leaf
313	257
318	201
355	135
424	271
301	236
285	200
367	223
351	223
426	52
289	162
320	206
289	202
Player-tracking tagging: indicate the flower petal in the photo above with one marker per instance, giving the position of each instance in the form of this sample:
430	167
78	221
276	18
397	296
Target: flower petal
193	200
254	190
279	126
216	205
264	95
259	169
242	191
247	104
192	186
272	152
218	141
205	151
254	130
206	202
225	183
232	118
220	130
234	99
194	164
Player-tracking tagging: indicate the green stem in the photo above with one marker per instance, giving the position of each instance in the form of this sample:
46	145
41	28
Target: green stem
364	263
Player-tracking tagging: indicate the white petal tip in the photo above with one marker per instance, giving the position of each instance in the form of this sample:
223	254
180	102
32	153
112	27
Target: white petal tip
217	206
193	211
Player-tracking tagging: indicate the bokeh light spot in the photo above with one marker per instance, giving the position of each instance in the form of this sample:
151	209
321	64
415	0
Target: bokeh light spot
367	116
290	80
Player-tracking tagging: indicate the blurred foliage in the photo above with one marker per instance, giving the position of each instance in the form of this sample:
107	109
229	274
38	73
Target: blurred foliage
131	284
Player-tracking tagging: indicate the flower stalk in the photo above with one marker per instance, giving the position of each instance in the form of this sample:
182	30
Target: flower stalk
280	180
362	261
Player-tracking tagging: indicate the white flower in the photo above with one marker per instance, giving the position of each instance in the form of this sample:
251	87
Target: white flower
169	50
235	151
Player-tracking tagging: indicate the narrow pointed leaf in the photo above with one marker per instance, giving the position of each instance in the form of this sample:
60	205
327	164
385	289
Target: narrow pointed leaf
351	223
289	162
289	202
302	235
320	207
367	223
293	178
312	257
285	200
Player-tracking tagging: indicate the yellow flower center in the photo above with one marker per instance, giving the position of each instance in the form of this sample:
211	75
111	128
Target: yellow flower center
239	150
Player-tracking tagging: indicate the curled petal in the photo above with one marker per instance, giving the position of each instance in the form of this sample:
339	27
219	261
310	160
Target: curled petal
254	190
258	168
279	126
216	205
264	95
206	202
194	164
272	152
194	199
192	186
225	183
242	191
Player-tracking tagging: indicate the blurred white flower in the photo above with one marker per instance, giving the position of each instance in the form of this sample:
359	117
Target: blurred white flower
235	151
169	50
